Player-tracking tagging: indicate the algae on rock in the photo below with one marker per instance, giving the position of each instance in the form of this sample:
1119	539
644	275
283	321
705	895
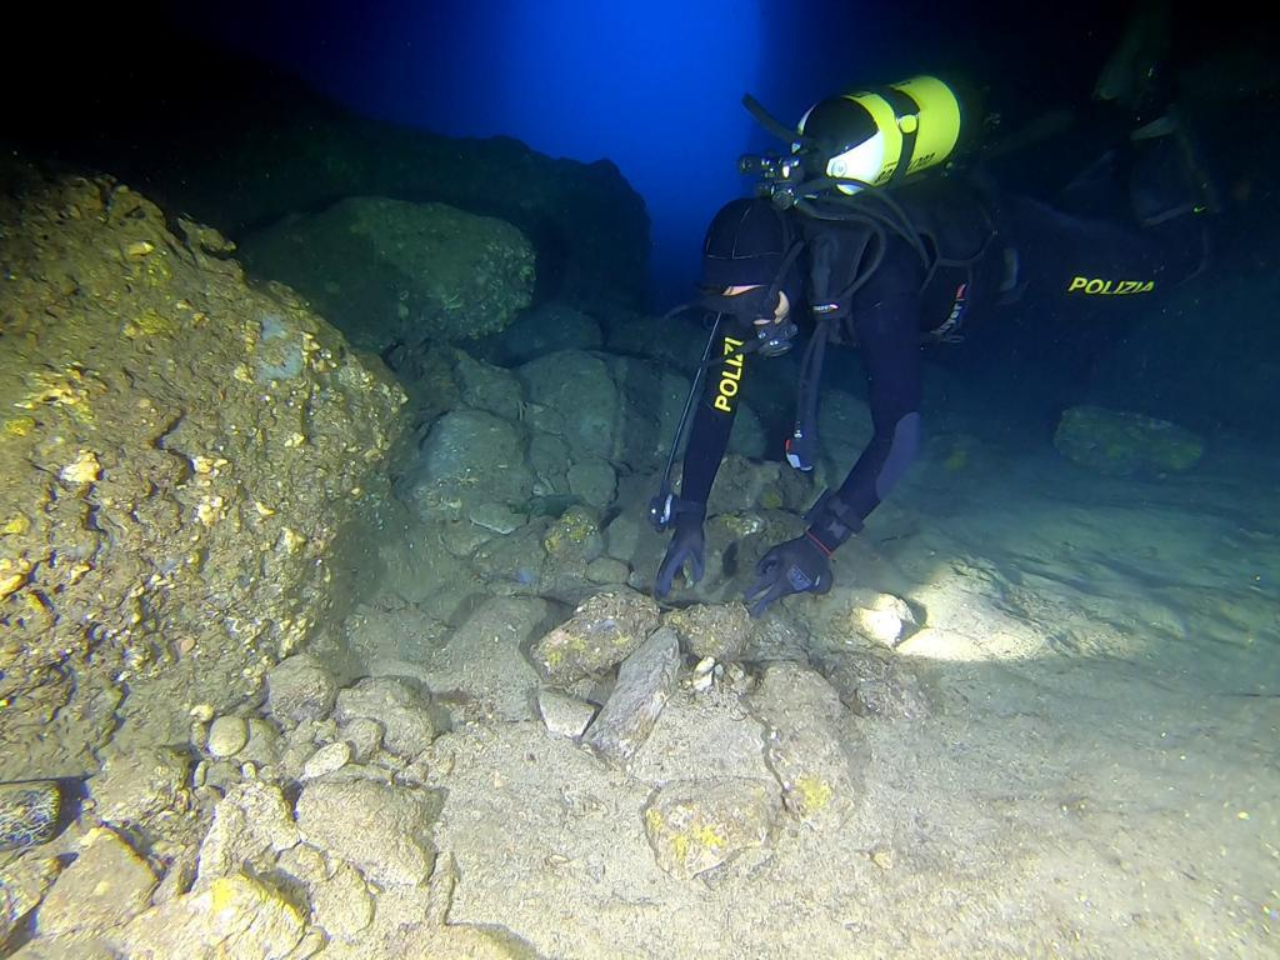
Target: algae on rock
178	456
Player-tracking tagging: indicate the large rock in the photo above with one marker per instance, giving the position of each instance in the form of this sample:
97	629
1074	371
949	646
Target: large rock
542	330
251	824
178	454
573	396
23	884
620	409
470	463
300	688
404	713
1121	444
236	917
106	886
603	632
383	830
696	826
134	788
389	271
809	747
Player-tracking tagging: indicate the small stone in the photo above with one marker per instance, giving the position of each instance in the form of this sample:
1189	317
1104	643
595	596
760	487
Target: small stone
383	830
227	736
712	630
882	857
888	620
202	713
199	736
574	536
300	688
326	760
564	715
405	714
607	571
364	736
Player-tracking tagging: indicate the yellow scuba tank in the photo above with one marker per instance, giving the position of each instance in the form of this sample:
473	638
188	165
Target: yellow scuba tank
878	137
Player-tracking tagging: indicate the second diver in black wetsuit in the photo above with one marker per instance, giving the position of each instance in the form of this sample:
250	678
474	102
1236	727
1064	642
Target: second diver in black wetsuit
885	262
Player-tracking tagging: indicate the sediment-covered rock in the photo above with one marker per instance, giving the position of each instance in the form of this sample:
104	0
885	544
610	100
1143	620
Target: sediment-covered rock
403	712
873	684
382	830
720	631
251	824
300	688
602	633
808	744
390	271
237	916
106	886
645	680
178	454
696	826
1116	443
23	884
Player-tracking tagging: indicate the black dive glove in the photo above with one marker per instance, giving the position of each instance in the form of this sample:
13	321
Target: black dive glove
803	565
797	566
688	545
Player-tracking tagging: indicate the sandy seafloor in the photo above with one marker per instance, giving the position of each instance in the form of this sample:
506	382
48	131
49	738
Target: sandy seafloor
1099	777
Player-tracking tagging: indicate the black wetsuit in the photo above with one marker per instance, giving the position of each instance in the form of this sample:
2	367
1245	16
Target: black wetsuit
985	249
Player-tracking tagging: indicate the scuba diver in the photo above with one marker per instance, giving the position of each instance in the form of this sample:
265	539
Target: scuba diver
888	257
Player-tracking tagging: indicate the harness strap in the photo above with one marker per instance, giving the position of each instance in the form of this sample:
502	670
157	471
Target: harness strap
903	106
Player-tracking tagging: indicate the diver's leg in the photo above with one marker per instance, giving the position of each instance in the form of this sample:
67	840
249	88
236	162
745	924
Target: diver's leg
1169	177
1137	75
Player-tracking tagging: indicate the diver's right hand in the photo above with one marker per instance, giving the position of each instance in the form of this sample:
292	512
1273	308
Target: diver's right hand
688	545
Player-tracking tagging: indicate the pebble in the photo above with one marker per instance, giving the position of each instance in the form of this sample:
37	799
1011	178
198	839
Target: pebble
227	736
326	760
202	713
883	857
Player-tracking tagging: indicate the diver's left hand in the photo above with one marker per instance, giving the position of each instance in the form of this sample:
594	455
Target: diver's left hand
797	566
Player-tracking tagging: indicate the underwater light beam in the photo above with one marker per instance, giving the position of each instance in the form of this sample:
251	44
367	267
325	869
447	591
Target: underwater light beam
655	88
